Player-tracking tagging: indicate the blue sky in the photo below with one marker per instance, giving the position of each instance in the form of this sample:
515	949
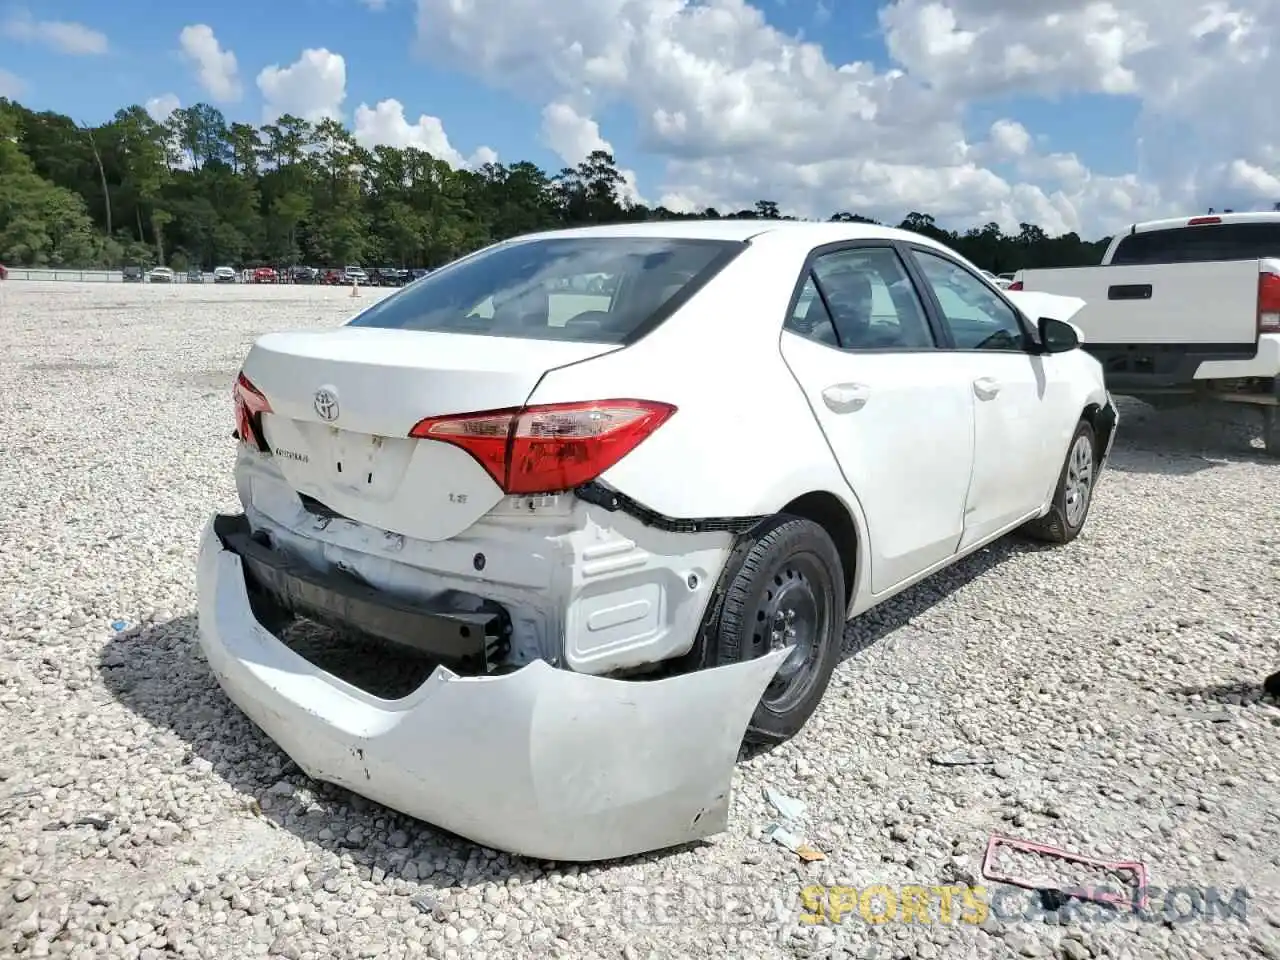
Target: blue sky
386	57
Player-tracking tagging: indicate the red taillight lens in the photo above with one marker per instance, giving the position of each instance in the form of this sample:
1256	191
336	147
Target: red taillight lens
1016	285
552	447
250	404
1268	303
1203	221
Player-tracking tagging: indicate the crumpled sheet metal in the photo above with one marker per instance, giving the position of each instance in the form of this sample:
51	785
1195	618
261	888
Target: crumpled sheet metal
540	762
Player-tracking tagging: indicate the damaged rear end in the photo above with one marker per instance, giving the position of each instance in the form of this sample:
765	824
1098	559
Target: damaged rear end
402	497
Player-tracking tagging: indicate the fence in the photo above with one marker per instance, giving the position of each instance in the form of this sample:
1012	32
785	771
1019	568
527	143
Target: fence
84	276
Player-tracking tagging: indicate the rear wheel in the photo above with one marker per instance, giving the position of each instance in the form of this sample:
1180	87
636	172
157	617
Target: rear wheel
785	588
1074	493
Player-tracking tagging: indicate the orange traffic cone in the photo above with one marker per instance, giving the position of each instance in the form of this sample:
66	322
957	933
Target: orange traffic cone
355	287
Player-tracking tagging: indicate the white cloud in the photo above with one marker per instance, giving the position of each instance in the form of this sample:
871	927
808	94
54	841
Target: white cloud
386	124
573	137
1010	138
61	35
217	70
312	87
160	108
11	85
741	111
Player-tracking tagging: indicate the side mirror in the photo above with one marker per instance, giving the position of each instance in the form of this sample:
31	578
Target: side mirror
1058	336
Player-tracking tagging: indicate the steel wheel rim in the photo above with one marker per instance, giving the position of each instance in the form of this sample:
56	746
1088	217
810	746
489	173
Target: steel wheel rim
792	612
1079	482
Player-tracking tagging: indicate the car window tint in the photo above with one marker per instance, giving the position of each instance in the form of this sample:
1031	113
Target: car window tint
976	316
810	317
872	301
597	289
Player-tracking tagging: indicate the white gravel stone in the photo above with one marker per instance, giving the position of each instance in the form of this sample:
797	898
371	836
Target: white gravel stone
1111	688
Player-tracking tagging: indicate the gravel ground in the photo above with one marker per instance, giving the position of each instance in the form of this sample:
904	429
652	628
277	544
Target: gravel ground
1102	697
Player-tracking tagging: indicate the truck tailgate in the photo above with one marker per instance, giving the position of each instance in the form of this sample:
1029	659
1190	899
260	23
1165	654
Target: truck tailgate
1166	303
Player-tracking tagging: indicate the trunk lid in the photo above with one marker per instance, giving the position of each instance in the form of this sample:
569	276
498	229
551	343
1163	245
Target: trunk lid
343	402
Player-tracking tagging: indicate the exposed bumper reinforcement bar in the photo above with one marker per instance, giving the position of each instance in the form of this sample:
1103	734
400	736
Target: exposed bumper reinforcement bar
540	762
446	633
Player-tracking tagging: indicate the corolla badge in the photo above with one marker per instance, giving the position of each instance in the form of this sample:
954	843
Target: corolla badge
326	404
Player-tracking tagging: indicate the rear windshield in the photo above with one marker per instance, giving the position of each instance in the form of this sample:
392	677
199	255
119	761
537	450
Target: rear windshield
1225	241
597	289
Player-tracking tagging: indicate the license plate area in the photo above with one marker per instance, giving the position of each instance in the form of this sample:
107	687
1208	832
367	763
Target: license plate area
353	457
365	463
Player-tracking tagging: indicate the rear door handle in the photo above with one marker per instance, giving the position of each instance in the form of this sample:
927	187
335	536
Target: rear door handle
986	388
845	397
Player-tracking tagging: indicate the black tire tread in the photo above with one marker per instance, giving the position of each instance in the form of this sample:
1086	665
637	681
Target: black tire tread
728	626
1053	526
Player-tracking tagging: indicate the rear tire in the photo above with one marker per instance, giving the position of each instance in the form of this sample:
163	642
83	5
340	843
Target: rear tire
784	586
1271	431
1074	494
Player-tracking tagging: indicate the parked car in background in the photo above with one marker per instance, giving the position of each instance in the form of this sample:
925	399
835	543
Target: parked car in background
576	448
388	277
418	274
224	275
355	274
333	277
132	274
195	275
303	274
997	280
4	273
1185	310
160	275
265	275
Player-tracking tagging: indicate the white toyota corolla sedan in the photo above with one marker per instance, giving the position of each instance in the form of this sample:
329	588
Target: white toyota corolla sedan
618	490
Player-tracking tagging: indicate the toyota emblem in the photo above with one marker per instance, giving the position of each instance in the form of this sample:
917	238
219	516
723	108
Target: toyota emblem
326	404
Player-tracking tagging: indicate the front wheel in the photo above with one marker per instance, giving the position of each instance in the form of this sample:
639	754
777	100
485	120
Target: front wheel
786	590
1074	494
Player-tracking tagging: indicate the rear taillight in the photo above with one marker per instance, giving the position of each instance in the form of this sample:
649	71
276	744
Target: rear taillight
1203	221
551	447
1268	303
250	404
1016	285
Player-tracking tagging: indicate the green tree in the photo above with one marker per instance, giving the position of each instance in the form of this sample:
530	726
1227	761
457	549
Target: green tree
197	189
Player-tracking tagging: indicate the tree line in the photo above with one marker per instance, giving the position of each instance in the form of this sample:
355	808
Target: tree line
199	191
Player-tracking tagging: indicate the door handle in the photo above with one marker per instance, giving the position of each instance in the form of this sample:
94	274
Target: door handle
986	388
845	397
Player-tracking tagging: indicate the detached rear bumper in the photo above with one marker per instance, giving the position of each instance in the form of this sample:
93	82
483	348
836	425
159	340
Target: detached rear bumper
540	762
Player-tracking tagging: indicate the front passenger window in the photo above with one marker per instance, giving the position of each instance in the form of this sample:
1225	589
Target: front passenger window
977	318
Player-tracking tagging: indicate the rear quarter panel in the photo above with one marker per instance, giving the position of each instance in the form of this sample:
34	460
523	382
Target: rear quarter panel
743	441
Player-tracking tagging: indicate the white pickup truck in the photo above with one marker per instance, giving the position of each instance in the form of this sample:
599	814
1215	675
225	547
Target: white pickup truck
1183	310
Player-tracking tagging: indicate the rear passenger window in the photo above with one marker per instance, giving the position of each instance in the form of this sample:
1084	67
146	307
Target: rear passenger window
872	303
810	317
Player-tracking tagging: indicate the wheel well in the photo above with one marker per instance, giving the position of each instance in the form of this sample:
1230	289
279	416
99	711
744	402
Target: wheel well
826	510
1100	429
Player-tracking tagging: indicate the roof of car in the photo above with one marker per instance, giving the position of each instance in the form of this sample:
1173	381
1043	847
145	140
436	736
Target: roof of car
805	231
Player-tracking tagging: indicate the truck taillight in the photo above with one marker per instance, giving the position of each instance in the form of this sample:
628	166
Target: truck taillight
550	447
1016	285
1268	303
250	404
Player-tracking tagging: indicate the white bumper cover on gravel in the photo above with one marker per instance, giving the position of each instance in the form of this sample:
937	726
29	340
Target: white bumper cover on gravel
541	762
